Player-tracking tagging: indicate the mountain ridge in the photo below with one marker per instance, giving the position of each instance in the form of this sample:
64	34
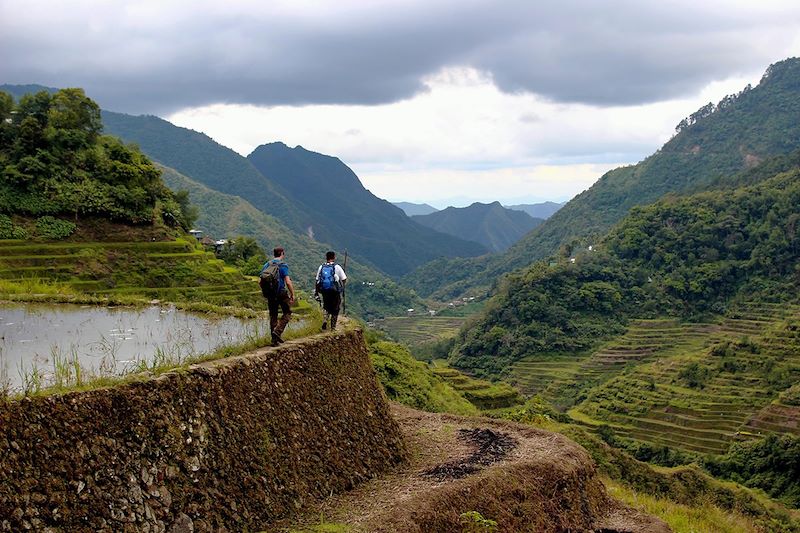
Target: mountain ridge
492	225
411	209
346	214
543	210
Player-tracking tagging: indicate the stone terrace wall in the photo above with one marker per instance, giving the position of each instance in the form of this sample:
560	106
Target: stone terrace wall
229	445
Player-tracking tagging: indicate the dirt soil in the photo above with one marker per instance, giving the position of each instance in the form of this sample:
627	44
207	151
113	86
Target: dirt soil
491	447
524	478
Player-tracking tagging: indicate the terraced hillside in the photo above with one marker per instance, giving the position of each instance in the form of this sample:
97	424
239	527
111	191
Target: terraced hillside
714	384
557	378
415	330
171	270
695	387
480	393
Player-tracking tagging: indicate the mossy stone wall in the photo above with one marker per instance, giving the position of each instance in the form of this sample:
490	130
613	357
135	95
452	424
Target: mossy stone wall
230	445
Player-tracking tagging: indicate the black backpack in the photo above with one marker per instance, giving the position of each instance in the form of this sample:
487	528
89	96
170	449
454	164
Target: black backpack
269	280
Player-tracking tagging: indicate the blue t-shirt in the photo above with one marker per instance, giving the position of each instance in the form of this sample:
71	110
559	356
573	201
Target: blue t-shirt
283	271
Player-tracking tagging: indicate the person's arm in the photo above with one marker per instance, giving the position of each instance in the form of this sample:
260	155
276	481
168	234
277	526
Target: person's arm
316	281
289	287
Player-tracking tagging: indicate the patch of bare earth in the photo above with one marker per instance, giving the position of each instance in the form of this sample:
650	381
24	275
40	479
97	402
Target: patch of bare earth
523	478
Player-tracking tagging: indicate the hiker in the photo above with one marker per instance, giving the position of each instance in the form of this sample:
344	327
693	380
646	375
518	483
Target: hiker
329	283
277	288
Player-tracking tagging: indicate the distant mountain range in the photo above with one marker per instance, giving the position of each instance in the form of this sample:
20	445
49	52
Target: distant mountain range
412	209
341	211
311	193
542	210
492	225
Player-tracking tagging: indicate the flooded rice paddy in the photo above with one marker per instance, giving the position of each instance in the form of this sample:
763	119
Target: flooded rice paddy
37	341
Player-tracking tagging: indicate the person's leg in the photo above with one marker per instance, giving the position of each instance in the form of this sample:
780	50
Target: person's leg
286	309
335	304
272	305
328	306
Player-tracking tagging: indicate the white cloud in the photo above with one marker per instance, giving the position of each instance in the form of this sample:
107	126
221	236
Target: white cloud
463	139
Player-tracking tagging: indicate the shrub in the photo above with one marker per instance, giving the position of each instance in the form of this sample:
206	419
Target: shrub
9	230
54	229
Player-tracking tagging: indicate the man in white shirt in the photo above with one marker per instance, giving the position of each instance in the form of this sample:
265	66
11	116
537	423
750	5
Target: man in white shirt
329	283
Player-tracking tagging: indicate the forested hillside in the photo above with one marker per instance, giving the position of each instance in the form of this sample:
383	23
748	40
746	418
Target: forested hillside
195	154
492	225
346	214
56	162
716	141
83	215
682	256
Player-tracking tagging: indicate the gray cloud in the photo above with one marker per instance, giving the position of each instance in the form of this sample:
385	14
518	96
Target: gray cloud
145	58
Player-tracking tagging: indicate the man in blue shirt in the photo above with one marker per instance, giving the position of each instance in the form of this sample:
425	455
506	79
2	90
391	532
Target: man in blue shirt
282	295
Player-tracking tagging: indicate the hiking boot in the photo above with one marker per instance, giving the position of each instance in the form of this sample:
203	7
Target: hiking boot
324	326
276	339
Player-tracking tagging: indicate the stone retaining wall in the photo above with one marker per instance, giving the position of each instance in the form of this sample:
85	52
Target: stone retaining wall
230	445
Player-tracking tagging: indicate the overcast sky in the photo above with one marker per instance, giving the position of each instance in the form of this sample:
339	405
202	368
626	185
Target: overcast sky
435	101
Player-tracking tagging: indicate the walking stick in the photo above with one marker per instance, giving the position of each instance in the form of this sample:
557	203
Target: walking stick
344	287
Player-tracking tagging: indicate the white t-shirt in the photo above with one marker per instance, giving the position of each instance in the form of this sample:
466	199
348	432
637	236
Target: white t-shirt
338	274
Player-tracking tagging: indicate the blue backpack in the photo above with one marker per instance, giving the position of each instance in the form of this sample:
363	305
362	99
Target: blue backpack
327	279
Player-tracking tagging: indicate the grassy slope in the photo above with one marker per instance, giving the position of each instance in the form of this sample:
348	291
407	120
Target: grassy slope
175	269
412	383
685	497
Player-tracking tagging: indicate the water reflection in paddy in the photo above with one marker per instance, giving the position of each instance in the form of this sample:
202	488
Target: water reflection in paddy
108	340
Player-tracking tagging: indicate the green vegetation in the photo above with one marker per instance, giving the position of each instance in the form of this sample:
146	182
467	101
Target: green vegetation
420	329
492	225
56	162
176	270
412	383
683	518
196	155
482	394
661	402
680	256
771	464
474	522
678	495
370	228
716	142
